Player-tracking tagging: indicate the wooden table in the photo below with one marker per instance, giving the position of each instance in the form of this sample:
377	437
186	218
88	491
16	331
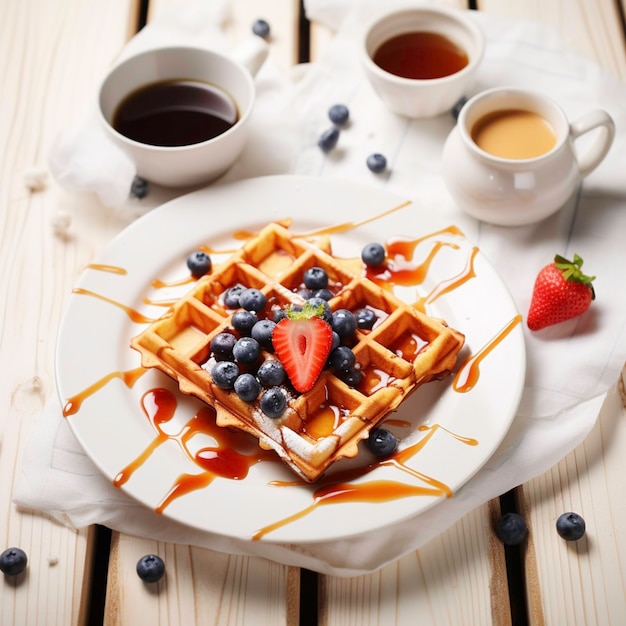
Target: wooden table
52	54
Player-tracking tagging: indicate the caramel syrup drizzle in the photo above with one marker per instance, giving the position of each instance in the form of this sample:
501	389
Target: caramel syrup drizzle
449	285
129	378
470	368
341	490
134	315
225	460
113	269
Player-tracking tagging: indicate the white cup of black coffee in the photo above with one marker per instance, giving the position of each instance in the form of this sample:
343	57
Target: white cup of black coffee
181	113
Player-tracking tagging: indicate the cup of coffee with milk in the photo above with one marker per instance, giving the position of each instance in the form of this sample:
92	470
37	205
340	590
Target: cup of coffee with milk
514	157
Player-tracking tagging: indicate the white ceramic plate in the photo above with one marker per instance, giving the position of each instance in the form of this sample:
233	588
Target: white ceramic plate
459	430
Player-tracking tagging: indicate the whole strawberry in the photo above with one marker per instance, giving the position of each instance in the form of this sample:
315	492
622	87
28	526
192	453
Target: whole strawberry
561	292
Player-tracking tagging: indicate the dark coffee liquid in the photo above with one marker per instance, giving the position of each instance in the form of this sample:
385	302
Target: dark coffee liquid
420	55
175	113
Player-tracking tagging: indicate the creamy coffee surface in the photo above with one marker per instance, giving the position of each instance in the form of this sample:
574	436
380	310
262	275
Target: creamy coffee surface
514	134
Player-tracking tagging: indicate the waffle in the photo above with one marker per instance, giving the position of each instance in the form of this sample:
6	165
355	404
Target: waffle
403	350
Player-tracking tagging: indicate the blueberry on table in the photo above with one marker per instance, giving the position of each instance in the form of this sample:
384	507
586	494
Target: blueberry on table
382	442
315	278
512	529
328	139
373	254
247	387
199	263
456	109
570	526
261	28
376	163
13	561
252	299
273	402
139	188
339	114
224	374
150	568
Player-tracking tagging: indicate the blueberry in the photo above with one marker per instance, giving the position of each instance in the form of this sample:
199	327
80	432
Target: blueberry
351	377
336	341
222	346
139	187
252	300
244	321
225	374
570	526
342	358
199	263
279	314
150	568
273	402
262	332
456	109
247	350
343	322
247	387
512	529
305	293
324	294
13	561
382	442
261	28
231	296
328	139
365	318
315	278
373	254
377	163
326	310
271	373
339	114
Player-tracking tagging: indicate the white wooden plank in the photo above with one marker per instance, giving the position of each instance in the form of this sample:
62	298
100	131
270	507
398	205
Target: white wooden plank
458	578
582	583
51	56
199	587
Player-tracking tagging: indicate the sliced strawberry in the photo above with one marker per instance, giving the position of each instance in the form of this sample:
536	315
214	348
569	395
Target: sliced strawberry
302	342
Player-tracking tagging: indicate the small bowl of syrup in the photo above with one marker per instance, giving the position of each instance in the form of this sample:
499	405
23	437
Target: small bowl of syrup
421	61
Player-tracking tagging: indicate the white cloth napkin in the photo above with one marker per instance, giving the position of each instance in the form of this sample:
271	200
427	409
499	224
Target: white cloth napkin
570	366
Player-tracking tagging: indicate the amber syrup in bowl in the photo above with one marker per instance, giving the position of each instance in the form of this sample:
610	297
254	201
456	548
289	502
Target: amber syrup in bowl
420	55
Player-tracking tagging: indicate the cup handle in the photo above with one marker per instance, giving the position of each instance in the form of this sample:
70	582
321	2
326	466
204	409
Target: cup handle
599	148
251	53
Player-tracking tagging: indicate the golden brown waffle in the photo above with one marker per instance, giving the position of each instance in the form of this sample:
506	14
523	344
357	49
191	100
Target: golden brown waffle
403	350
